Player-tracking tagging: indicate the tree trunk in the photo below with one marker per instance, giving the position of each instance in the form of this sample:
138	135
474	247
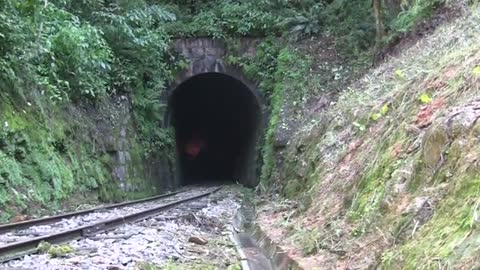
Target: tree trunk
380	28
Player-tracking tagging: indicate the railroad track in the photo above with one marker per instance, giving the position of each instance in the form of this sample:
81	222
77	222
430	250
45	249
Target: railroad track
21	238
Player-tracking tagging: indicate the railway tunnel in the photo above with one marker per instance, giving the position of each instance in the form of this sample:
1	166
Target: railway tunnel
216	118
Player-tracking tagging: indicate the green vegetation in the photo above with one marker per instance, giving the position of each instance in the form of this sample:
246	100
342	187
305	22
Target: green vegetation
289	74
63	54
61	62
41	163
398	173
54	251
280	73
221	19
65	66
353	23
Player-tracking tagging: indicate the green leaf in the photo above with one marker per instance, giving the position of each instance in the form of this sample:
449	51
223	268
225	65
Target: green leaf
400	74
476	71
384	109
360	126
376	116
425	98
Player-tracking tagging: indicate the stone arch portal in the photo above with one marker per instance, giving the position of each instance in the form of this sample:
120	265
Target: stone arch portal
217	115
217	120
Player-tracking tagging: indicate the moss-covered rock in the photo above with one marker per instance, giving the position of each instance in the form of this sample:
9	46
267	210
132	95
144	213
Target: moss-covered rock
49	157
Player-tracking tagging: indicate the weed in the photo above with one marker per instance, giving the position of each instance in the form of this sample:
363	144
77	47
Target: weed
54	251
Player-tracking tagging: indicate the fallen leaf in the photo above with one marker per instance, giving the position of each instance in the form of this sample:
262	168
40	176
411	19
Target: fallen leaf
425	98
476	71
198	240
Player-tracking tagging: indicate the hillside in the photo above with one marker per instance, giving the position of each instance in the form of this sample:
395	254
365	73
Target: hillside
358	119
388	176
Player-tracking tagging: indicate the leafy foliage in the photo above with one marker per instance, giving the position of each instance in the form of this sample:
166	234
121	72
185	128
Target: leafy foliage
62	52
306	23
143	64
67	58
220	19
80	75
352	23
262	67
57	53
71	47
412	13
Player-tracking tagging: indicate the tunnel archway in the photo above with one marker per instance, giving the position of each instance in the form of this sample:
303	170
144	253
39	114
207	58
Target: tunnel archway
216	118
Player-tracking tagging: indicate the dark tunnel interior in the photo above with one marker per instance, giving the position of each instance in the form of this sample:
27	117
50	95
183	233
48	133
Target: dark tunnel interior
215	118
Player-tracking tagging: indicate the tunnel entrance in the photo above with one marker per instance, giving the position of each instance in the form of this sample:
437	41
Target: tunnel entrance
216	119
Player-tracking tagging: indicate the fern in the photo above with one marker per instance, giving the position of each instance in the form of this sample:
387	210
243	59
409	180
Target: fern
307	23
149	15
414	13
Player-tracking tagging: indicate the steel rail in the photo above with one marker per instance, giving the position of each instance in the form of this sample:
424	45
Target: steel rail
16	250
4	228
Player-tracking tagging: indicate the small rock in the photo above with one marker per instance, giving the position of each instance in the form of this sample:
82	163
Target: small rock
197	240
125	260
417	204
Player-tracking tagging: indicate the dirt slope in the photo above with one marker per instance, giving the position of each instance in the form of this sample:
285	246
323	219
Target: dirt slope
388	176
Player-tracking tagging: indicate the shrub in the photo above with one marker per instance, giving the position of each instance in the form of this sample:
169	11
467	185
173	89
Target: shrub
81	60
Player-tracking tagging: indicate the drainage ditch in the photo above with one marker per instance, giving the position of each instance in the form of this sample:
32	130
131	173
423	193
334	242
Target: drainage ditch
256	249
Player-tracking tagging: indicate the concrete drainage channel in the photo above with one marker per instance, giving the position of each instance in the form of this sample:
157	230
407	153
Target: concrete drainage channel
257	251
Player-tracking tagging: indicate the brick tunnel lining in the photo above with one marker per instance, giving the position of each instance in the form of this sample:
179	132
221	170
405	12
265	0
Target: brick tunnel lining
215	118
